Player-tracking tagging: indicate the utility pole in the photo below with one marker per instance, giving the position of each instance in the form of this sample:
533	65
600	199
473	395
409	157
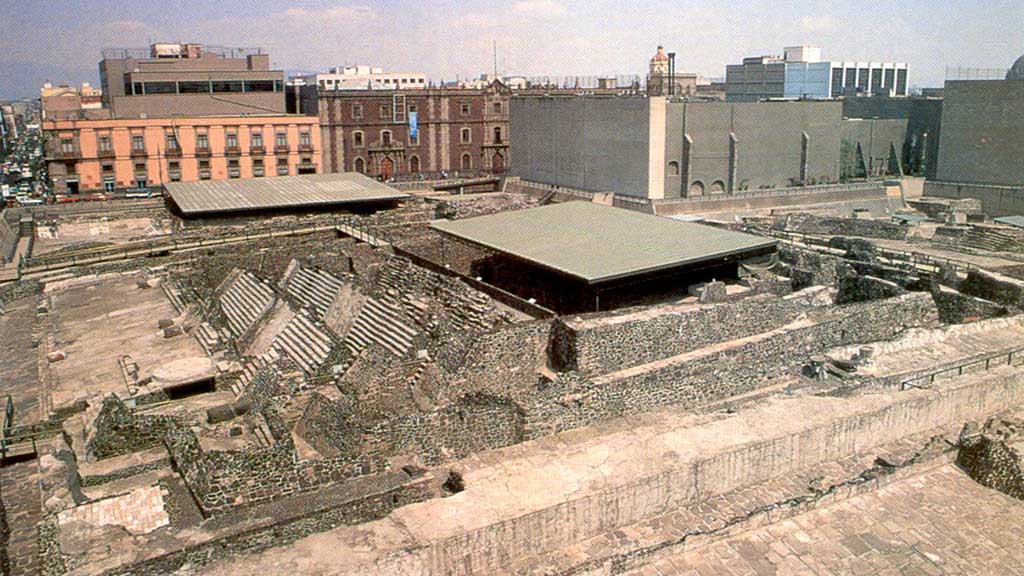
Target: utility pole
495	50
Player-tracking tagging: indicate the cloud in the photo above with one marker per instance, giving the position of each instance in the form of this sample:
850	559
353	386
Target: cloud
822	23
539	8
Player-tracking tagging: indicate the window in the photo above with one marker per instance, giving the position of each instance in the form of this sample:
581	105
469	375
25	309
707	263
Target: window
282	166
233	170
232	140
497	134
385	137
108	185
172	141
413	109
357	110
174	171
202	142
160	87
465	109
108	168
67	145
204	169
304	139
281	140
360	166
257	167
257	139
140	166
193	87
104	144
357	138
222	86
414	164
497	107
259	85
138	144
467	162
673	168
465	136
385	111
414	139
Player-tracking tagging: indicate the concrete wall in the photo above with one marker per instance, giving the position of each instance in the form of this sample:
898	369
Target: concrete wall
768	144
995	200
924	123
982	133
598	144
877	138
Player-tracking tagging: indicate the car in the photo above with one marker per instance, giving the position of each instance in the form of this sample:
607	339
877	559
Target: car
26	201
64	199
97	197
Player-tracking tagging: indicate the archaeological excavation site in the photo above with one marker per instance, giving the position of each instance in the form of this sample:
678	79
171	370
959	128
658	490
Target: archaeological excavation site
511	379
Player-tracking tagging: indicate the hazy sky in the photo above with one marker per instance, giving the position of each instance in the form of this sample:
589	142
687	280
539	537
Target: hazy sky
61	40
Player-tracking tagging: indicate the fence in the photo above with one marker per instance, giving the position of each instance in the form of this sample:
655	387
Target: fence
916	259
966	73
981	364
776	192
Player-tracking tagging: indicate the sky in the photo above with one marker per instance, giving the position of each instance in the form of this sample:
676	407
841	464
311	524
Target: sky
61	40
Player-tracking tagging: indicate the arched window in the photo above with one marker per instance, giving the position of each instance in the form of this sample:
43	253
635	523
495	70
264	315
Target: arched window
385	137
360	166
717	187
673	168
414	164
697	188
465	136
497	134
357	138
467	162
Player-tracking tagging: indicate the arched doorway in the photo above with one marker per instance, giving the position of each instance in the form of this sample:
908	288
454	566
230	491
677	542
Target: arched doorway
497	163
360	166
387	168
467	162
696	189
414	164
718	187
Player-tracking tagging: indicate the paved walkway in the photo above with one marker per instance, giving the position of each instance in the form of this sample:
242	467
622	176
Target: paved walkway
19	368
940	522
19	490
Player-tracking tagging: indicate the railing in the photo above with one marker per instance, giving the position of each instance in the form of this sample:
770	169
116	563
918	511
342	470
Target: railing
256	151
988	362
916	259
776	192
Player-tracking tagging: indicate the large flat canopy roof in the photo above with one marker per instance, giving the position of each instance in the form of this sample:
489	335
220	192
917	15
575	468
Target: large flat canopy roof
598	243
252	194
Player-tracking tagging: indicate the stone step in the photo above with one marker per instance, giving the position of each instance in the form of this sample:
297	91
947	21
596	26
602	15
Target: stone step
381	322
263	435
305	343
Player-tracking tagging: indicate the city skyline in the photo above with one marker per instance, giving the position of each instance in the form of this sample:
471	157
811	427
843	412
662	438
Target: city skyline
445	40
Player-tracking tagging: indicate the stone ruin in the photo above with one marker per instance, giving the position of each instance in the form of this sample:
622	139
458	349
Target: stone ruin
366	395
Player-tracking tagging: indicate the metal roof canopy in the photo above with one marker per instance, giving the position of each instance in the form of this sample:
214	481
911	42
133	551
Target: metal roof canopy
596	243
252	194
1017	221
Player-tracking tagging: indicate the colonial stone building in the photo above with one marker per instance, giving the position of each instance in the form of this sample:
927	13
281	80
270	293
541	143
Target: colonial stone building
387	133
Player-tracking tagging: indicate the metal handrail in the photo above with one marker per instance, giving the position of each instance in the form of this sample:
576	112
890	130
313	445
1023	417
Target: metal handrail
959	368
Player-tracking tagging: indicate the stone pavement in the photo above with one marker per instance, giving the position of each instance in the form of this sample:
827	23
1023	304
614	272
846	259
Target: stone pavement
139	511
19	375
19	490
940	522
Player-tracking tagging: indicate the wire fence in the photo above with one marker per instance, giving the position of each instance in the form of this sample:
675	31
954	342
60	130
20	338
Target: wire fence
964	73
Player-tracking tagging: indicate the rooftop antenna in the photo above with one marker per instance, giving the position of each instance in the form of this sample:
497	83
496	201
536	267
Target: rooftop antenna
495	59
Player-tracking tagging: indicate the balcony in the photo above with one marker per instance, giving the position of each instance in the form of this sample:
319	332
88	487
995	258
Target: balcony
139	153
281	150
257	171
173	152
305	147
205	151
105	153
68	154
232	151
256	151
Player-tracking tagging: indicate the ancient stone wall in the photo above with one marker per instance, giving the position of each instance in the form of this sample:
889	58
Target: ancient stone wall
991	456
860	288
831	226
958	308
807	267
118	430
599	344
573	401
995	287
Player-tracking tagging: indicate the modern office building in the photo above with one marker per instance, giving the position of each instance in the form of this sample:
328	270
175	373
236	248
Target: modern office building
168	79
801	74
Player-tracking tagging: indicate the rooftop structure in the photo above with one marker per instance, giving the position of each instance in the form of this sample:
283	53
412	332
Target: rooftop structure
170	79
280	193
363	78
596	243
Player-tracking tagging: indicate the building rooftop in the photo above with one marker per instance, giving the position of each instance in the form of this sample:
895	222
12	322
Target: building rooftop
211	197
598	243
1017	221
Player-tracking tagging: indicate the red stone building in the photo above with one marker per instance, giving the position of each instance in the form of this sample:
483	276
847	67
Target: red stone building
371	131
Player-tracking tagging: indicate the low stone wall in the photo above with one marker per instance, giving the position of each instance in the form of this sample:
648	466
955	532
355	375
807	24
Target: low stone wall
995	200
807	267
866	288
574	401
991	455
958	308
118	430
995	287
600	344
830	226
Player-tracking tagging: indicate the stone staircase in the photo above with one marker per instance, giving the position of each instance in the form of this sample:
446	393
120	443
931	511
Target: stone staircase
981	237
314	288
304	342
211	339
380	321
249	370
245	301
174	294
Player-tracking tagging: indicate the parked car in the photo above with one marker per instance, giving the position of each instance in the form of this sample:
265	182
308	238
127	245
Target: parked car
26	201
64	199
97	197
